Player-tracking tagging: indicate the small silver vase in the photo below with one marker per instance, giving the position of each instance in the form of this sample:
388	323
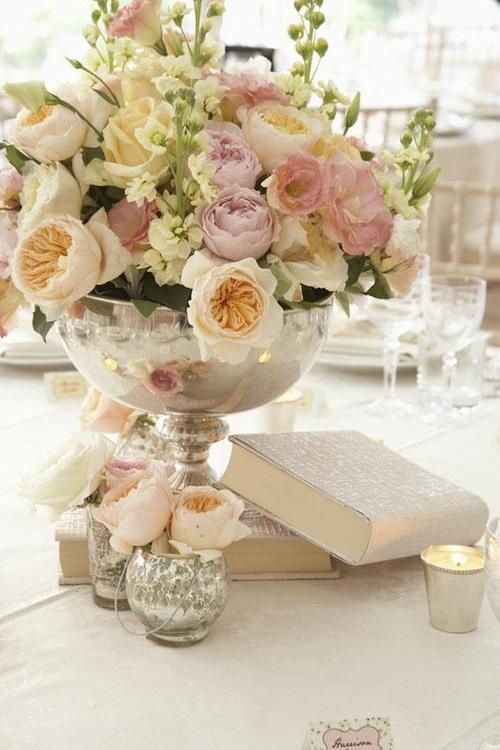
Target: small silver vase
106	567
177	597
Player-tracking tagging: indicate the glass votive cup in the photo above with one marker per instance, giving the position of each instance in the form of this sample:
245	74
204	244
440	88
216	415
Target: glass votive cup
492	564
454	580
280	415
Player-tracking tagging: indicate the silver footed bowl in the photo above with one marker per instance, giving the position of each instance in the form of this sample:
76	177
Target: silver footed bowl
154	364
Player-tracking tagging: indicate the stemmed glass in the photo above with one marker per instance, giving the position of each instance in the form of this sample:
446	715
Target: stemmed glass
394	317
453	311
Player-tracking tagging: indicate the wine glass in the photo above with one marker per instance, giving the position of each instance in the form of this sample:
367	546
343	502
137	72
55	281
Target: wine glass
394	317
453	311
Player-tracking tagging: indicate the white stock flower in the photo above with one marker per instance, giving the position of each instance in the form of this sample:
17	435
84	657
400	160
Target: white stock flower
48	189
165	271
141	188
174	237
208	95
154	135
68	475
232	308
294	87
202	172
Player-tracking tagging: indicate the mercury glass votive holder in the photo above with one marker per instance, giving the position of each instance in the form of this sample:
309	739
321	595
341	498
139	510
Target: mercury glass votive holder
106	567
454	579
492	564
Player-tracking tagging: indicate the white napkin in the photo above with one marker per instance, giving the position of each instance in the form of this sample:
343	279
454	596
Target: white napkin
360	337
472	739
24	344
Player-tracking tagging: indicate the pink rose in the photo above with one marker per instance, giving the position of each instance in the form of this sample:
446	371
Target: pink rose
130	223
119	468
238	224
11	184
164	381
137	509
99	413
139	20
246	89
355	213
235	163
297	186
8	240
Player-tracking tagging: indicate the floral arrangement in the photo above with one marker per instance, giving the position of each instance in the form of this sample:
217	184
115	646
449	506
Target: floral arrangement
159	178
133	498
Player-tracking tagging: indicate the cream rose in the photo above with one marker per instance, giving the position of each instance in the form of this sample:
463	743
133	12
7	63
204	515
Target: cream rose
398	259
309	256
48	189
51	133
99	413
125	156
206	519
61	260
232	307
68	475
10	302
137	509
275	131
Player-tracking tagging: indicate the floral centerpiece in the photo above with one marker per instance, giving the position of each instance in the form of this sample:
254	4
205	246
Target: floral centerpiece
159	178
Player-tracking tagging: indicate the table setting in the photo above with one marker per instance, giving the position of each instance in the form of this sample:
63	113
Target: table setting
250	440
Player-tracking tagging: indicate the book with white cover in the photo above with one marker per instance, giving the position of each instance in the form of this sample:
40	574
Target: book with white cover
351	495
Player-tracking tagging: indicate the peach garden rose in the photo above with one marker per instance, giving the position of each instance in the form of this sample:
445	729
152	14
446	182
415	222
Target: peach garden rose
297	186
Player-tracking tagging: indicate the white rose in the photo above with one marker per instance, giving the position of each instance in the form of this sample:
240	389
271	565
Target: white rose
275	131
61	260
69	474
206	519
51	133
125	156
398	259
48	189
309	256
232	308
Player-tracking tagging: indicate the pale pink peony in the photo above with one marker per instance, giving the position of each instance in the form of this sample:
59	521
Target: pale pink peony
297	186
164	381
130	223
238	224
99	413
137	510
246	89
235	163
206	519
11	184
139	20
119	468
355	213
8	240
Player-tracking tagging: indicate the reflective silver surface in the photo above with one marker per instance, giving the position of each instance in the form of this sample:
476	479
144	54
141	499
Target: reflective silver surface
118	350
178	598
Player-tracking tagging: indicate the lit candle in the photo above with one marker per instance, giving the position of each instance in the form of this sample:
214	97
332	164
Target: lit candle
454	577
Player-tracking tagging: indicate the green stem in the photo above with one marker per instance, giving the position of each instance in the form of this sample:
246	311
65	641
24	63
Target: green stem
53	99
197	39
80	66
180	159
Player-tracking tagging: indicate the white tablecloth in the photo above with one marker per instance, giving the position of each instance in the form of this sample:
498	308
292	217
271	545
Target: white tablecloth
283	653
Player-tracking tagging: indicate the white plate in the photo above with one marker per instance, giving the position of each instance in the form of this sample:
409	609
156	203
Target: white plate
362	362
43	362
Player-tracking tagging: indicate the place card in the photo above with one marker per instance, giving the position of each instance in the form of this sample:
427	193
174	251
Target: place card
64	385
372	733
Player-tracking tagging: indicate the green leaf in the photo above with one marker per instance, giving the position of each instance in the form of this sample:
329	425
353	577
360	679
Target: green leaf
144	306
14	156
356	265
176	297
40	323
104	96
284	282
97	306
352	113
89	153
380	289
367	155
425	183
343	300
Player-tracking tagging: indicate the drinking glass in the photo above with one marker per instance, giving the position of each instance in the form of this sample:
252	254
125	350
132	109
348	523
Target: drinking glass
492	564
394	317
453	312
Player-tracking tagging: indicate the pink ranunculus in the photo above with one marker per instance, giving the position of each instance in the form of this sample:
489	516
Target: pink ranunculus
297	186
139	20
235	163
99	413
11	184
238	224
246	89
164	381
119	468
8	240
137	510
355	212
130	223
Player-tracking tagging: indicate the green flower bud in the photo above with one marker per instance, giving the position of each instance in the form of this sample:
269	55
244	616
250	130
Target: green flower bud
406	139
31	94
215	9
297	69
321	46
317	18
305	48
96	15
430	122
298	4
295	31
